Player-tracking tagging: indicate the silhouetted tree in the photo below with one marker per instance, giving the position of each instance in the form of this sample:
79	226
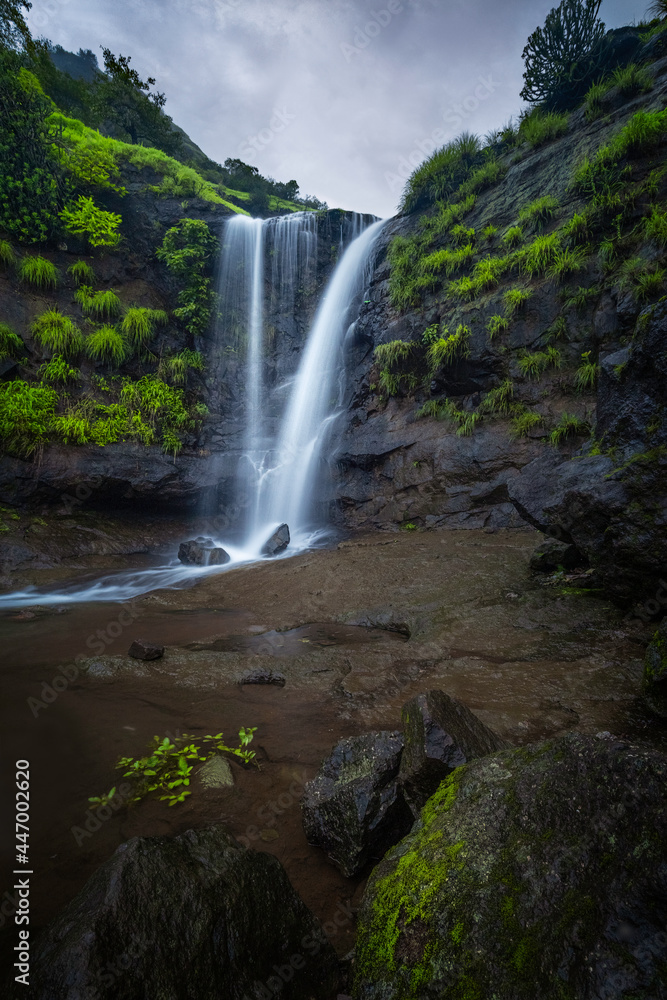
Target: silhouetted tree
561	57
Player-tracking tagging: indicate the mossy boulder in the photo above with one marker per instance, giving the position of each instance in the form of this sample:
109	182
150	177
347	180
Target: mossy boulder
194	917
537	872
654	681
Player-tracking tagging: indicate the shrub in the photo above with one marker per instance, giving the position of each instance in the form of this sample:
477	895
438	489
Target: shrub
539	255
186	250
442	173
84	218
655	227
541	127
532	365
632	80
100	305
39	272
447	349
566	262
176	367
59	370
161	405
11	346
515	299
524	422
26	414
139	324
587	373
461	235
7	255
81	272
392	353
496	325
558	57
431	333
540	211
463	288
107	344
57	332
513	237
569	425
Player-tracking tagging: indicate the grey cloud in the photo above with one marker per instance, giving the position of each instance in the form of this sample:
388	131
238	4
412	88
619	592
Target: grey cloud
362	87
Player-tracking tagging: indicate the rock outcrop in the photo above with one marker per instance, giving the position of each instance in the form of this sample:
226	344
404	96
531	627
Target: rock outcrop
202	551
532	872
195	917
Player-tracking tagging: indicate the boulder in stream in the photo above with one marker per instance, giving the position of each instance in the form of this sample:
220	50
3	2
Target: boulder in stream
278	541
193	917
440	734
654	680
202	552
534	872
142	650
353	809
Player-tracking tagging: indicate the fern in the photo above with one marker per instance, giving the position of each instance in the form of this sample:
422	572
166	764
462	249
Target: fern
59	370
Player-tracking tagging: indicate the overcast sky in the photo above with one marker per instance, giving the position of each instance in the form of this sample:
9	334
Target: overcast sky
342	95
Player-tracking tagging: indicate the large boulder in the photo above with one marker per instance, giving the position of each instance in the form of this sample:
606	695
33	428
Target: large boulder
202	552
440	734
196	917
537	872
654	680
354	809
551	553
278	541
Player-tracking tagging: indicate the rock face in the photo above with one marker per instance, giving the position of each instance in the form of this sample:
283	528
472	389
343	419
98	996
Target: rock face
440	734
142	650
353	809
533	872
202	552
552	553
195	917
278	542
654	681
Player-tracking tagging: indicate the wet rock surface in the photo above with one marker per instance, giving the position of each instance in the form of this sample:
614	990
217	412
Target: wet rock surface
440	734
202	552
195	917
654	680
545	869
278	541
142	650
263	675
354	809
552	553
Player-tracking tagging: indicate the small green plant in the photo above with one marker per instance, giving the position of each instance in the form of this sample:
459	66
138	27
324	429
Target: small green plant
392	353
488	272
650	284
540	255
107	344
462	236
594	97
81	272
513	237
578	229
655	227
496	325
26	415
532	365
569	425
11	346
567	261
57	332
540	127
39	272
515	299
499	400
431	334
139	324
586	375
7	255
176	367
58	369
100	305
463	288
643	279
489	232
632	80
167	767
84	218
409	526
524	422
540	211
448	349
581	298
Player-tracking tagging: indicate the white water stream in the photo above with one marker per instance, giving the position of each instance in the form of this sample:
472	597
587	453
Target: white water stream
279	472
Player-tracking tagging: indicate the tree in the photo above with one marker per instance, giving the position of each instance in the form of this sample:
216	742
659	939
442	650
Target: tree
125	106
561	58
14	31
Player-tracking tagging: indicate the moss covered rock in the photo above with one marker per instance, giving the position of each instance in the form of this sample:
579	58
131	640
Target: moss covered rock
654	681
538	872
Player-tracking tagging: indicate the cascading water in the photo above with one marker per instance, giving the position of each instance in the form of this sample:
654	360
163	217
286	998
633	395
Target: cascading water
278	468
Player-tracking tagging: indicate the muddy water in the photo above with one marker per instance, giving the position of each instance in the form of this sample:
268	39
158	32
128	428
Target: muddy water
531	660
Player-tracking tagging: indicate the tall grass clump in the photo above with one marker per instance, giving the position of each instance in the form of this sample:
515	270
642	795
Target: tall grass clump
448	349
57	332
567	261
532	365
524	422
568	426
586	375
655	227
632	80
540	127
540	255
392	353
496	325
58	369
515	299
139	324
488	272
81	272
99	305
513	237
483	177
499	400
594	97
7	255
442	173
11	346
107	344
176	367
38	272
540	211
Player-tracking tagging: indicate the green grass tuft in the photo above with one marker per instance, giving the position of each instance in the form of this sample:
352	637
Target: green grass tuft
540	255
58	369
39	272
107	344
440	175
586	375
139	324
515	299
176	367
448	349
499	400
26	414
568	426
566	262
513	237
532	365
392	353
57	332
489	232
540	127
524	422
488	272
100	305
496	325
632	80
540	211
655	227
81	272
11	346
7	255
